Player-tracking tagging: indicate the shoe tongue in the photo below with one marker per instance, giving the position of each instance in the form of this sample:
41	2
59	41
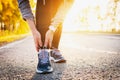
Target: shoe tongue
44	57
44	60
56	52
43	53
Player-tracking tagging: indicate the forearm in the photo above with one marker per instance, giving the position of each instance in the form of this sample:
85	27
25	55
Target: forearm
32	26
35	33
28	16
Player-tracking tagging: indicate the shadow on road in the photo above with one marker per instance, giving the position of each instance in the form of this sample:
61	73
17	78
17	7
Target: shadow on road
56	75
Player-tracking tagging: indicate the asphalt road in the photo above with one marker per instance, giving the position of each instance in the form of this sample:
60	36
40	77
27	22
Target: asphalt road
89	57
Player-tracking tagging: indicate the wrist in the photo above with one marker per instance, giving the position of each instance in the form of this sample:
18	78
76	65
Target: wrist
51	31
52	28
34	31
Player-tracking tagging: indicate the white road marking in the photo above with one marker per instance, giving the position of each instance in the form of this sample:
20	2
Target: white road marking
14	43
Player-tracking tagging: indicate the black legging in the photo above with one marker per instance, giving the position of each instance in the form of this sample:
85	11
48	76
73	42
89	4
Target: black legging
44	14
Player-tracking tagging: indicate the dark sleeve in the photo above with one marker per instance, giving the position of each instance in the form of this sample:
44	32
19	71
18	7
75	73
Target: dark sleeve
25	9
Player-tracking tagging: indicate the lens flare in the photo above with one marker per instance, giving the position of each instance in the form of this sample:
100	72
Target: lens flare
89	15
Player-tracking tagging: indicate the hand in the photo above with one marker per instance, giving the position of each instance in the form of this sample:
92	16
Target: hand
36	34
48	38
37	40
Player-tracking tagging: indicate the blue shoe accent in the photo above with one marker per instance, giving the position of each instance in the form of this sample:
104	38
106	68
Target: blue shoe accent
44	65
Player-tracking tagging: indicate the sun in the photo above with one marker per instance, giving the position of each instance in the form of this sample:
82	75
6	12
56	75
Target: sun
84	15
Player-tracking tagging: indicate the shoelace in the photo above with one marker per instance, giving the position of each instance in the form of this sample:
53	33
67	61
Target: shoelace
43	55
43	50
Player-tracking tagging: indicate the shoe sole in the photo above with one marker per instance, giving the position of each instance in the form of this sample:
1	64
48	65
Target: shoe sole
58	61
43	72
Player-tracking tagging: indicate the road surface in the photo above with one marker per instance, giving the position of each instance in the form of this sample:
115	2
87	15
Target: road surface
89	57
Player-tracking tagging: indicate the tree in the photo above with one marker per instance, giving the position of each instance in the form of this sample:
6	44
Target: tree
10	17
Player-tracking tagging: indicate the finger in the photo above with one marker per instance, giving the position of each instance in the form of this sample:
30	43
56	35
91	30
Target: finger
37	48
40	43
46	43
37	45
50	44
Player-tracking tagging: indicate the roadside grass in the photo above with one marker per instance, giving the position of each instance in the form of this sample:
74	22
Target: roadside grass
12	37
6	37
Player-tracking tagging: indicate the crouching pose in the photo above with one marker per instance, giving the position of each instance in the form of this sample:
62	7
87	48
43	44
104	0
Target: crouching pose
46	29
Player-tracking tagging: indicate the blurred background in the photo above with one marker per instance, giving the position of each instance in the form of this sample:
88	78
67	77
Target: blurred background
94	16
84	16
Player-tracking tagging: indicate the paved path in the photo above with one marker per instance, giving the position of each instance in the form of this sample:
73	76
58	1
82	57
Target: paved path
89	57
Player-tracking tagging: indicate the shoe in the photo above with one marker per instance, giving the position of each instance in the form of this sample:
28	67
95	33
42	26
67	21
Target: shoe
44	65
56	56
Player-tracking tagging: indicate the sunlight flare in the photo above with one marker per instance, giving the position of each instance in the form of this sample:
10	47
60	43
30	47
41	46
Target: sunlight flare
90	15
